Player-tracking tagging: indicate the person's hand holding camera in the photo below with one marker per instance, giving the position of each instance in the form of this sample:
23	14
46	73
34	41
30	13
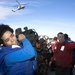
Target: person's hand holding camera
21	36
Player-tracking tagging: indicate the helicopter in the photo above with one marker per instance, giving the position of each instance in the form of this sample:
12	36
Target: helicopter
19	7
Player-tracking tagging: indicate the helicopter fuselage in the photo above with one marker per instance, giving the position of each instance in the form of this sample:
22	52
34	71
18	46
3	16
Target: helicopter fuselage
21	7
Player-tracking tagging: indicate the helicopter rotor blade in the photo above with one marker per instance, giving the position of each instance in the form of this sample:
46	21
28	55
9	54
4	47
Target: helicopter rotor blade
18	2
25	4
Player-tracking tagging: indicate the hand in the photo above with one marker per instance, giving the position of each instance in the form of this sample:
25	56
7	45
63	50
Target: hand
21	36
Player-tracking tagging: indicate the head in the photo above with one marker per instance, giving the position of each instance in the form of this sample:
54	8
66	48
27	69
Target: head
6	35
55	38
66	36
60	36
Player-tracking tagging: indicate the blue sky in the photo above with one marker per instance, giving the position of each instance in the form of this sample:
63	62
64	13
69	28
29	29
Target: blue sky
47	17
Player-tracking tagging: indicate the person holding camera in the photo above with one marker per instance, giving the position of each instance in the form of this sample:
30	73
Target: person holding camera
16	58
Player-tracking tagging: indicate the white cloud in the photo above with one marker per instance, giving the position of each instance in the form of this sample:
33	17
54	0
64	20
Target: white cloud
5	9
7	6
4	12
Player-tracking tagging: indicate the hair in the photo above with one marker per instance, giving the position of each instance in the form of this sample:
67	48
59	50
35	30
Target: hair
3	29
55	38
66	36
59	33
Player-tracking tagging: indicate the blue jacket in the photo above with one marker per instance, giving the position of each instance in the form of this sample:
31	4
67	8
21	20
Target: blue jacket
19	59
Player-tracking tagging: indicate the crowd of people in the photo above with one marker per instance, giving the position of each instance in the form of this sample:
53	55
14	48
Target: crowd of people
18	56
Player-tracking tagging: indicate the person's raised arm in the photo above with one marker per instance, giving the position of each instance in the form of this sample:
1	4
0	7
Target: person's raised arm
22	54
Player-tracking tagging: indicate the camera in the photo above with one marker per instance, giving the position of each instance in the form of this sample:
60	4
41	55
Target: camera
30	34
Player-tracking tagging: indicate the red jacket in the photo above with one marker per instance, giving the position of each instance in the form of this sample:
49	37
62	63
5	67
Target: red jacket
53	43
63	54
